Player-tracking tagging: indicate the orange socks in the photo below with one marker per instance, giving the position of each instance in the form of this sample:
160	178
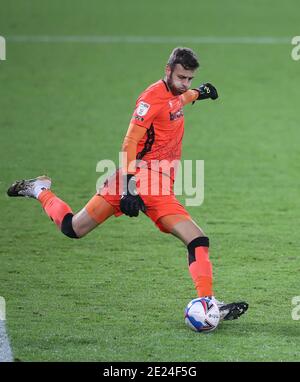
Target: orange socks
200	266
54	207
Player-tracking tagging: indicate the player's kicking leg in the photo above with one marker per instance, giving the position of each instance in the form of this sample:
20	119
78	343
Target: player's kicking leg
199	263
73	226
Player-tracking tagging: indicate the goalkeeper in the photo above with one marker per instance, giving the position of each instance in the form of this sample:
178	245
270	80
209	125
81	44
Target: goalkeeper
155	134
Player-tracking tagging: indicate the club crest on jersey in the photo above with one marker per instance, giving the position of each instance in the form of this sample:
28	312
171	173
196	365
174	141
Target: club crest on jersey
142	109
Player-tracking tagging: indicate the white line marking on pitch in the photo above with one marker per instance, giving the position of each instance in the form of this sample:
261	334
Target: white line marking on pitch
148	39
5	349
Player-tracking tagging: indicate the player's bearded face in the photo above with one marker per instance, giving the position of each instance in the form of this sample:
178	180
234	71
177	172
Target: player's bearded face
179	79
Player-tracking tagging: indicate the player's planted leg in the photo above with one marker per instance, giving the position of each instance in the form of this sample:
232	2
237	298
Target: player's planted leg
200	266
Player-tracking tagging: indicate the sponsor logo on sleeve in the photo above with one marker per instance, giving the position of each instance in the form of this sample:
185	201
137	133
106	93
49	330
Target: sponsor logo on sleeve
142	109
138	118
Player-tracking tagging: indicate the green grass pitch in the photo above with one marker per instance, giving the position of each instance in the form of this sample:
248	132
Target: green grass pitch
119	294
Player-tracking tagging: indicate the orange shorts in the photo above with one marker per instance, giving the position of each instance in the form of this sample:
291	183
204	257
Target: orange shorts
156	190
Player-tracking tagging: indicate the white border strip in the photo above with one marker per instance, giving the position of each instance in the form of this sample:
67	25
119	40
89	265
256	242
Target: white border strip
148	39
5	349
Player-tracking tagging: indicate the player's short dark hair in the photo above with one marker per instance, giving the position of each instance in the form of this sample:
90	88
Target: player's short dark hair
184	56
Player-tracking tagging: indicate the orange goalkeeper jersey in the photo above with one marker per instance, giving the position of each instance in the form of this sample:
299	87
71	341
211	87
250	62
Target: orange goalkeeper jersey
161	113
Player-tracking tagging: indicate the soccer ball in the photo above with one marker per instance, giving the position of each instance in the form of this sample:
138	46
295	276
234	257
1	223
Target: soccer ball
202	315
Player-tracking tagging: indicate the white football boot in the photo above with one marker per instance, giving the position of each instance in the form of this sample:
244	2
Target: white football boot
230	311
30	188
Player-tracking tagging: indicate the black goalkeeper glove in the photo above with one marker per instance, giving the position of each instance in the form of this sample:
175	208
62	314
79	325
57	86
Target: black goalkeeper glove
131	203
207	91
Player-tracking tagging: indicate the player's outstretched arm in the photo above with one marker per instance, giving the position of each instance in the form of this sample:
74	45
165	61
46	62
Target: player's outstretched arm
189	96
204	91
